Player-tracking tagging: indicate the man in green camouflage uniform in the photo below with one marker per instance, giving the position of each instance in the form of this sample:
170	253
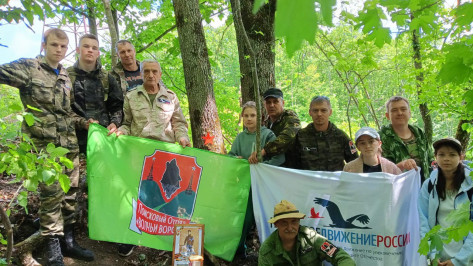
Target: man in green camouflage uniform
283	122
296	245
45	85
403	144
321	146
97	94
152	111
127	71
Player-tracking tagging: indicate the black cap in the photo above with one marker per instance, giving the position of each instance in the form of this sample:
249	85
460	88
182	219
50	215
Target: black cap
272	92
449	141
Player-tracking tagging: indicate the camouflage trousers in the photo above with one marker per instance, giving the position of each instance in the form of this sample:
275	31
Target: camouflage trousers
58	208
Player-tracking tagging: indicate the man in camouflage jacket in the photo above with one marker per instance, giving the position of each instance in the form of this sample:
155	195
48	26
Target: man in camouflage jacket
296	245
321	146
96	93
152	111
283	122
45	85
403	144
127	71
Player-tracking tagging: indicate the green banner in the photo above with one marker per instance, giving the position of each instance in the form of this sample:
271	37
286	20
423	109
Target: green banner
139	188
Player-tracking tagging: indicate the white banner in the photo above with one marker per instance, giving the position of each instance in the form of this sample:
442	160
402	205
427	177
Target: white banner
373	217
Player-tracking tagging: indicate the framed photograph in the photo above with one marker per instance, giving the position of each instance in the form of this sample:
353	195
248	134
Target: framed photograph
188	241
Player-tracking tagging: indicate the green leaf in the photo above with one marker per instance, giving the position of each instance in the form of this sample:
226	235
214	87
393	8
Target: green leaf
455	72
295	21
50	148
33	108
66	162
436	242
58	152
258	4
23	199
65	182
30	185
48	176
326	7
464	14
29	118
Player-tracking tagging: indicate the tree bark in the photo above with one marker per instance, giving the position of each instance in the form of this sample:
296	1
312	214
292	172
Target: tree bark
462	135
259	28
197	73
91	18
424	109
113	31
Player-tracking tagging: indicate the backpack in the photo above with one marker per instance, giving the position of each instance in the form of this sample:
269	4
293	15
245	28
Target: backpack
469	192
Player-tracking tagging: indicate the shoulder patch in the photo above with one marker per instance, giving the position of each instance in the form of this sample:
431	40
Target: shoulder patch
328	249
352	147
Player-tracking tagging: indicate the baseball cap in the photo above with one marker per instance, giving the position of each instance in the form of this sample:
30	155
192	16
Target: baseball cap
366	131
273	92
451	141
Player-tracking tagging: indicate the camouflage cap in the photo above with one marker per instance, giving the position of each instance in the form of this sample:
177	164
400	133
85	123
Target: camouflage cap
285	209
273	92
448	141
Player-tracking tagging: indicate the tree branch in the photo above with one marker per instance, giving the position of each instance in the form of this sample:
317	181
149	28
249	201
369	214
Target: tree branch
157	38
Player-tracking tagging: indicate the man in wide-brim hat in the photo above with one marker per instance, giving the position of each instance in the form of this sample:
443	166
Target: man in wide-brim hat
293	244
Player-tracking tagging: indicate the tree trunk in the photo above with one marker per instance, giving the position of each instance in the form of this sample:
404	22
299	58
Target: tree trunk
199	85
115	22
113	31
424	109
91	18
260	31
462	135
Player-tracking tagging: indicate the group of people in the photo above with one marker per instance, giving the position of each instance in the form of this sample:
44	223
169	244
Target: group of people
132	100
321	146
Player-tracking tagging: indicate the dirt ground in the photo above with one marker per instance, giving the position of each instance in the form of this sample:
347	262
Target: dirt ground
105	252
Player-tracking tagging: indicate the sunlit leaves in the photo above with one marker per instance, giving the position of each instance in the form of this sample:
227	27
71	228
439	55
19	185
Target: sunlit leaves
458	66
371	24
296	21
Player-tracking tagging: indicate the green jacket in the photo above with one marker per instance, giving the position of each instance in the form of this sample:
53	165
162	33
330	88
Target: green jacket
311	249
396	151
42	88
285	129
160	120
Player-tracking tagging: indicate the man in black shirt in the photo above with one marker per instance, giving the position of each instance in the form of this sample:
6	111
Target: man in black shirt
127	71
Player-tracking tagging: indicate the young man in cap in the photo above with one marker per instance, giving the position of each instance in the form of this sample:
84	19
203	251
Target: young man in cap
321	146
283	122
293	244
403	144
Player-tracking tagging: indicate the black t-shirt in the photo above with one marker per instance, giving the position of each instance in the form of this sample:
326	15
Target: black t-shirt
371	169
133	78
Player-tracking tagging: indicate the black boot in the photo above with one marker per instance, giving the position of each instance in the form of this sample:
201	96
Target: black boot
71	249
54	251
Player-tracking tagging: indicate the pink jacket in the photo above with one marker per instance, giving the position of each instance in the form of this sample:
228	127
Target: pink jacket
356	166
